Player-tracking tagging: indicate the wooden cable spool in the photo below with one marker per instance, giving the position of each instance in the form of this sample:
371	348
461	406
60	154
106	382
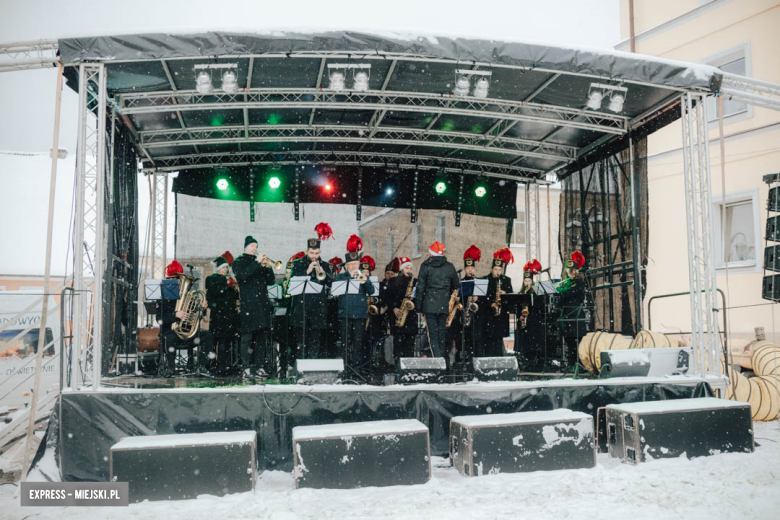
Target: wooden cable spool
593	344
766	359
647	339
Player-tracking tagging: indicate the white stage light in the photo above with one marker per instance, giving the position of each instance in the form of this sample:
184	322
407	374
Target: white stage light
462	86
594	99
616	102
361	81
203	83
481	88
229	82
337	80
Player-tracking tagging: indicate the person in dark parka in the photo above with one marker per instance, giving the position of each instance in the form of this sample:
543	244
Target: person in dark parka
310	311
221	295
435	285
496	328
254	275
403	337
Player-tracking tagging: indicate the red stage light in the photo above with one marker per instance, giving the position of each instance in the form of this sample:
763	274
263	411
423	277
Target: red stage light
328	187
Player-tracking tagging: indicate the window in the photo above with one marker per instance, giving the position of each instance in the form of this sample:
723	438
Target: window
441	228
417	239
734	61
390	245
739	214
518	233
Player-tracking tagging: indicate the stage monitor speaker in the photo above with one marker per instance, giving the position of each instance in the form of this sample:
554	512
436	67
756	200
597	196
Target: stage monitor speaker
319	371
419	370
700	427
502	368
363	454
520	442
773	228
772	258
773	204
179	467
771	288
645	362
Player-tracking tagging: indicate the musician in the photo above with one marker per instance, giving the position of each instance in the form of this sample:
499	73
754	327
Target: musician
332	346
170	342
496	317
254	274
373	322
573	290
284	330
463	340
529	335
310	311
224	322
397	289
353	308
437	281
391	271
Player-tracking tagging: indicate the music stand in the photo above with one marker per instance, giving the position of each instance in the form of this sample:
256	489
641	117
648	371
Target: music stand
546	287
342	288
161	291
303	285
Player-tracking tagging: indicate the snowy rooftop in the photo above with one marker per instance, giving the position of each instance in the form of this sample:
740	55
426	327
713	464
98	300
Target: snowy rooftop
358	429
499	419
677	405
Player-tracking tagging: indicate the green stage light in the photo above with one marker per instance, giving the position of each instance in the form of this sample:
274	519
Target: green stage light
222	184
441	187
480	191
274	182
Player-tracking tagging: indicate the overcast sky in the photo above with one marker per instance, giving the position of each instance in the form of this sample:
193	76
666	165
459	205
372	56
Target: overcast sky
27	98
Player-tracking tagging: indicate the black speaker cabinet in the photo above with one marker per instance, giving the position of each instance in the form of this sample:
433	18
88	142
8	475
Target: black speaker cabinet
178	467
773	204
520	442
773	228
419	370
772	258
502	368
354	455
637	432
319	371
771	288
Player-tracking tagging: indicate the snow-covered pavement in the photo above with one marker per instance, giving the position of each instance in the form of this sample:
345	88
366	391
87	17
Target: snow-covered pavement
725	486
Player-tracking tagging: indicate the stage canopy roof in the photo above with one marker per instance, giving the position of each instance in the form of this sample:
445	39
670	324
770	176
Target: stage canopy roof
532	125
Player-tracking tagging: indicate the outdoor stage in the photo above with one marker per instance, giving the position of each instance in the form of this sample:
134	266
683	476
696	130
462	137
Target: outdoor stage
87	424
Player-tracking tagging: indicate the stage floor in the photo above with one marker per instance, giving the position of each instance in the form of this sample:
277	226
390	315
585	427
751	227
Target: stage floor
87	423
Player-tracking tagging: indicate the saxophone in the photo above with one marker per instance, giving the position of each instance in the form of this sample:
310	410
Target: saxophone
497	309
189	302
468	312
455	306
406	305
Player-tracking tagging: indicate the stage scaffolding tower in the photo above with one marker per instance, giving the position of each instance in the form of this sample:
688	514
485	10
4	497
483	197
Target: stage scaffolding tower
532	234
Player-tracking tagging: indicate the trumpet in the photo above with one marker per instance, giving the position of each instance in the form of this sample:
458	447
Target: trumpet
360	277
320	272
267	262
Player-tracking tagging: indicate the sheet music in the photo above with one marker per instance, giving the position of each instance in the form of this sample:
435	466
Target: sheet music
480	287
275	291
342	287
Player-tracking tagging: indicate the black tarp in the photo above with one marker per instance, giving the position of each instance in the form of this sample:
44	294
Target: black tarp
596	62
91	422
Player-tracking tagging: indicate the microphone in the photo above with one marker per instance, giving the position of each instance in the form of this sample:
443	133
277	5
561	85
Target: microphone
547	270
190	266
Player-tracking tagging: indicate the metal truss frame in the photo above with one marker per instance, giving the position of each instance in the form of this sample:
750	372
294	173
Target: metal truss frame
377	101
28	55
701	263
90	231
159	252
532	233
349	158
356	134
751	91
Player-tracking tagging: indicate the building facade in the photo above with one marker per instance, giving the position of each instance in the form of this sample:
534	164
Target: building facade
740	37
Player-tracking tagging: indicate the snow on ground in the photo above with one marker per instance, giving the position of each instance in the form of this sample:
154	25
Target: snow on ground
728	486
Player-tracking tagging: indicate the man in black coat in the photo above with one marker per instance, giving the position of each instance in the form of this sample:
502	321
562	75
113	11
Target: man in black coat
403	337
352	313
437	281
254	274
496	318
310	311
576	319
221	295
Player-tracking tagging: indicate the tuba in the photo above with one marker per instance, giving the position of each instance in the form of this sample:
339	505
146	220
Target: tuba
189	302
